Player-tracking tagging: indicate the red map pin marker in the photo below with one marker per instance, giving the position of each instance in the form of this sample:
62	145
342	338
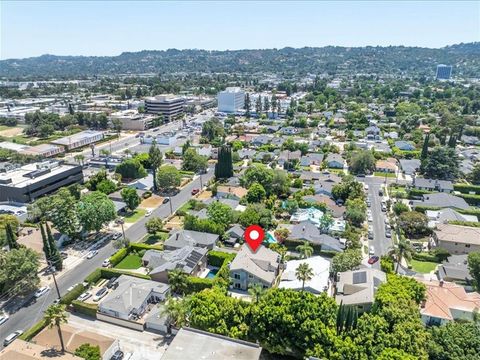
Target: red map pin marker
254	235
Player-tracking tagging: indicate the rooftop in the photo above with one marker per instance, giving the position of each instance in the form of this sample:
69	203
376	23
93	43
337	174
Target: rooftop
67	140
32	173
22	350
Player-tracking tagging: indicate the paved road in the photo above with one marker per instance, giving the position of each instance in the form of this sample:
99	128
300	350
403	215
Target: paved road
28	315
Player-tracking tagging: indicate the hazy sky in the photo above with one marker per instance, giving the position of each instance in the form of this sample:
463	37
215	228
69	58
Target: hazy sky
110	28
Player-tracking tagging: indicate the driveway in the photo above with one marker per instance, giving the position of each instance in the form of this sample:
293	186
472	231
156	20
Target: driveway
143	345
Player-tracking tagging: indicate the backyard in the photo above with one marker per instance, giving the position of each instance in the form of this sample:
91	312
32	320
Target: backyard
423	266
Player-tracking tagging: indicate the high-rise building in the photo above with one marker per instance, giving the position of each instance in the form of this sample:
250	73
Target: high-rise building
170	106
231	100
444	72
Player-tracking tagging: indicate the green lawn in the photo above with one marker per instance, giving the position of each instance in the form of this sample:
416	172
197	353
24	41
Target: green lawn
135	216
159	237
131	261
423	266
382	174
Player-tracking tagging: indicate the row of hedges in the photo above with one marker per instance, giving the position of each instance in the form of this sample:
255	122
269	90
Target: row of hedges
85	308
118	256
135	247
94	276
473	200
218	258
412	193
466	189
34	330
108	273
425	257
465	223
198	284
140	247
72	295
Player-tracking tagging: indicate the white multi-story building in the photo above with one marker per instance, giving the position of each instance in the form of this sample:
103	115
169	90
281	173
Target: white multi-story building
231	100
132	120
170	106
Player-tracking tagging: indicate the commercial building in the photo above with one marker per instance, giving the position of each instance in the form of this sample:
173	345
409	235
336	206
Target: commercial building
231	100
169	106
444	72
43	150
80	139
31	181
132	120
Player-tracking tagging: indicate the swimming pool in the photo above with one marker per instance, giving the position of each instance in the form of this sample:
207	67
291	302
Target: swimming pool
211	274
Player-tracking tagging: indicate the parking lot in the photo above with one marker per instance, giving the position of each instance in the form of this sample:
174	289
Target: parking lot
143	345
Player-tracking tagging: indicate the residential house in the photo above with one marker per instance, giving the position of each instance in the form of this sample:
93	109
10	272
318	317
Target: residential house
358	287
287	155
446	301
205	150
410	166
181	238
234	234
336	210
455	269
261	140
190	260
289	130
432	185
445	215
129	301
335	161
309	214
22	350
307	231
441	200
320	281
231	192
470	140
277	141
311	159
457	239
249	268
404	145
246	153
386	166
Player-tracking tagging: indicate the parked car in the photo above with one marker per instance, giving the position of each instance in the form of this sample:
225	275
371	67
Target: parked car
369	203
100	294
388	234
42	291
84	296
106	263
92	253
3	318
166	200
373	260
370	235
117	356
149	212
195	191
117	235
371	250
380	192
365	187
111	283
384	207
10	338
370	218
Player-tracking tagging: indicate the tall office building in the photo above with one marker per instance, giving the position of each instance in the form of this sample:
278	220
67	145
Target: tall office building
170	106
444	72
231	100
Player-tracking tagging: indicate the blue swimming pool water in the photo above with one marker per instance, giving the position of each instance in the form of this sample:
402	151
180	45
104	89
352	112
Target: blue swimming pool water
211	274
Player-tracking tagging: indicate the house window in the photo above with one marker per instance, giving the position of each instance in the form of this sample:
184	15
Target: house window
467	245
236	276
250	276
237	286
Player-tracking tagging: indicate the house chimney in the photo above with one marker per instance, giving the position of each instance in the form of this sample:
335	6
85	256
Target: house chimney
441	283
176	236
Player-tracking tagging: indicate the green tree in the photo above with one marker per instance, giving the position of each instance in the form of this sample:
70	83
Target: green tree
12	221
346	261
258	174
256	291
442	163
54	258
399	208
224	166
256	193
220	213
62	212
355	212
304	273
11	237
305	250
19	271
474	267
474	176
414	224
95	210
256	214
362	162
176	310
168	177
455	340
178	281
280	183
325	222
348	188
155	156
106	186
194	162
154	225
55	315
402	250
426	141
131	198
88	352
213	129
131	169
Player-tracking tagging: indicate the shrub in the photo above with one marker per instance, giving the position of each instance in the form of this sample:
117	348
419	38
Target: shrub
84	308
118	256
110	273
94	277
218	258
473	200
72	295
425	257
198	284
34	330
140	246
386	264
465	189
147	194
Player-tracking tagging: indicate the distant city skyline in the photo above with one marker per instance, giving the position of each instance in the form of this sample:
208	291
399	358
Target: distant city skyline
109	28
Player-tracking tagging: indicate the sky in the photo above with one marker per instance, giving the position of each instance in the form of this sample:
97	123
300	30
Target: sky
104	28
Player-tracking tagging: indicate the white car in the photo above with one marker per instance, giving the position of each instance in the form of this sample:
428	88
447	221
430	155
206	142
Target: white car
371	251
149	212
3	318
42	291
106	263
92	253
84	296
117	235
365	187
9	339
71	287
100	294
370	218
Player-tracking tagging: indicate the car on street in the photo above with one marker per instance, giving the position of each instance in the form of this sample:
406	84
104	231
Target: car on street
388	227
371	250
384	207
100	294
84	296
380	192
117	235
388	234
149	212
106	263
370	235
10	338
369	203
373	260
3	318
92	253
365	187
166	200
195	191
42	291
118	355
370	218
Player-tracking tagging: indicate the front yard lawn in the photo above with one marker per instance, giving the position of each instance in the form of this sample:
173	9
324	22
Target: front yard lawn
382	174
423	266
159	237
135	215
131	261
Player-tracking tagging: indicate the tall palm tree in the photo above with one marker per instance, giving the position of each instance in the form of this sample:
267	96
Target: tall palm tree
403	250
305	250
55	315
256	291
178	281
176	311
79	158
304	273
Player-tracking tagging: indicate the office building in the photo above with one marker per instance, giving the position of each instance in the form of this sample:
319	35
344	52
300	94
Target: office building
231	100
170	106
444	72
132	120
80	139
29	182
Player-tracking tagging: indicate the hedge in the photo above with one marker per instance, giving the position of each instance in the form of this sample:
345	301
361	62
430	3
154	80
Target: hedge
140	246
464	223
118	256
198	284
417	193
34	330
473	200
465	189
425	257
85	308
475	212
218	258
72	295
107	273
94	276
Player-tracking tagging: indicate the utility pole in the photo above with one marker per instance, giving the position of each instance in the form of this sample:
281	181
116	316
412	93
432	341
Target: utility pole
121	222
54	278
171	208
201	183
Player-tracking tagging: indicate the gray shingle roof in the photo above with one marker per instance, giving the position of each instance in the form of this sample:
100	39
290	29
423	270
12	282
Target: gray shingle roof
442	200
309	232
186	259
182	238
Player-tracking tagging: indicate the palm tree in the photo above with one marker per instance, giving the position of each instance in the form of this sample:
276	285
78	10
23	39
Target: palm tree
256	291
55	315
176	311
304	273
403	250
305	250
178	281
79	158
